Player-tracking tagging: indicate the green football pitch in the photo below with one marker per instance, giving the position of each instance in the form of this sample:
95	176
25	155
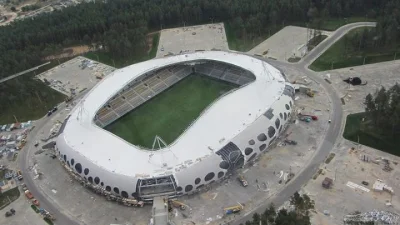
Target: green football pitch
169	113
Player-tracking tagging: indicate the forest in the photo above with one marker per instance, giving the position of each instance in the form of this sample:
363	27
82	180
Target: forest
379	126
120	27
383	110
299	213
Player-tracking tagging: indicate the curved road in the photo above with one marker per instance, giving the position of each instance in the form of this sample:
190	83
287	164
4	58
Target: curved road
23	160
299	180
332	133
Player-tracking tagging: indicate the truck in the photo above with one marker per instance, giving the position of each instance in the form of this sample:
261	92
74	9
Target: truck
233	209
28	194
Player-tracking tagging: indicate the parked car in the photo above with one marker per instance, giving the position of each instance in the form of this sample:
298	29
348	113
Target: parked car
35	202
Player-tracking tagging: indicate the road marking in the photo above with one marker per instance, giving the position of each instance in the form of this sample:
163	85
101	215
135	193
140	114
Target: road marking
354	186
215	195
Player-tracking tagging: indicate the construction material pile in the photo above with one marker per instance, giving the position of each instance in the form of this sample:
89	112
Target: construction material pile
354	81
375	216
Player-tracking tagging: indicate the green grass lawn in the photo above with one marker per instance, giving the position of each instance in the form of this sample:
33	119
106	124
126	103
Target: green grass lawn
353	132
169	113
9	196
332	24
107	58
337	56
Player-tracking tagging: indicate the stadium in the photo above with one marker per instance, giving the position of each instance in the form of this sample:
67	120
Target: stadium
188	120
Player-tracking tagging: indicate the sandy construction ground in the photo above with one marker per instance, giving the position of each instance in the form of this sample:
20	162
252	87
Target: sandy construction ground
190	39
288	42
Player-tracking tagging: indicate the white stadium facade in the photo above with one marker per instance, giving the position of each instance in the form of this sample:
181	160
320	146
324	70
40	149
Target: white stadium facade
232	131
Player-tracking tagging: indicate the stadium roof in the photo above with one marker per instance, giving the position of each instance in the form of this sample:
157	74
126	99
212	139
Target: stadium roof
215	127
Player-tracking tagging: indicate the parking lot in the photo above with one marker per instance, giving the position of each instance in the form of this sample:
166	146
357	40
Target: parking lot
23	214
75	75
193	38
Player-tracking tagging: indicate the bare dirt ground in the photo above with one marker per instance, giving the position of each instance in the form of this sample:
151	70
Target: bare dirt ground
70	52
72	77
10	15
347	165
193	38
289	42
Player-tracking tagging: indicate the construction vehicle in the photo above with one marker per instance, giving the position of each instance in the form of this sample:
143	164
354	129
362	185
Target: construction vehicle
242	181
290	142
28	194
178	204
310	93
233	209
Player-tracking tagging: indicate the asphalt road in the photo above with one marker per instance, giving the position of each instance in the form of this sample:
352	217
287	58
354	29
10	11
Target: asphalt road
299	180
22	73
23	160
323	46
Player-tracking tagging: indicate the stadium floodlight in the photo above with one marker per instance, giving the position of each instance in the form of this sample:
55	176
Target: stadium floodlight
159	142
